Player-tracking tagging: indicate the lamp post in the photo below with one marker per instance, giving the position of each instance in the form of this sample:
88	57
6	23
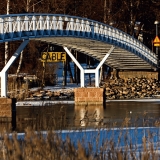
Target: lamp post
156	23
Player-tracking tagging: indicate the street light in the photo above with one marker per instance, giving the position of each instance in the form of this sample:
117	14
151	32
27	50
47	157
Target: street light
156	23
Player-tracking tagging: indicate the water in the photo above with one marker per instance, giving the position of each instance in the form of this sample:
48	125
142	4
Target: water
69	116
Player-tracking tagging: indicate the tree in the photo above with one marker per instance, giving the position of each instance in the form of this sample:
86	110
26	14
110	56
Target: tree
6	43
122	14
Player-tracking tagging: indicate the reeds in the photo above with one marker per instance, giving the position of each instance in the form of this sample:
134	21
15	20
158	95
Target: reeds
104	142
37	146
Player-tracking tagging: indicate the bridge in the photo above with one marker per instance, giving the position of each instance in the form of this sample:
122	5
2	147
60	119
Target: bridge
103	42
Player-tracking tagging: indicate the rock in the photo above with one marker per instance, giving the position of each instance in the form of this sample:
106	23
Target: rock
132	88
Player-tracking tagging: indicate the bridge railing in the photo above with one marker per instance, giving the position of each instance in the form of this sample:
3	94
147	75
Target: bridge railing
19	26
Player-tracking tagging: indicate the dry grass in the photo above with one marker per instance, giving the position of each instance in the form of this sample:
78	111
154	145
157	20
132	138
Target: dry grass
36	146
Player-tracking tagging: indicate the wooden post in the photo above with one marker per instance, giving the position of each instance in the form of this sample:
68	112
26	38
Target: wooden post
89	63
70	72
43	76
75	68
64	74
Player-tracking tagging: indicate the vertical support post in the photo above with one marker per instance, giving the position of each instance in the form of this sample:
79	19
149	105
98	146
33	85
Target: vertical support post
96	71
97	78
101	73
43	78
156	35
64	74
76	71
69	70
3	84
77	63
157	54
75	67
89	64
78	75
13	114
82	78
100	64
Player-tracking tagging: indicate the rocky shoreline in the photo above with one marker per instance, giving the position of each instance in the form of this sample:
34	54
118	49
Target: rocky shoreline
131	88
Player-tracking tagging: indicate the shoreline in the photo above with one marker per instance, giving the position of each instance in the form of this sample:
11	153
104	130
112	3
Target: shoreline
50	102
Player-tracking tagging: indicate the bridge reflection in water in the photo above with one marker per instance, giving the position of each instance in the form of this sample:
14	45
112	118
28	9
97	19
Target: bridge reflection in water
69	116
89	115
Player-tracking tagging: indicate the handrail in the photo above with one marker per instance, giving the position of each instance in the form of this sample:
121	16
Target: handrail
21	26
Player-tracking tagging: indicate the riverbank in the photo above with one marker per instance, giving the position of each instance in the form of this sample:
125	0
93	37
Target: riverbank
124	143
132	88
49	102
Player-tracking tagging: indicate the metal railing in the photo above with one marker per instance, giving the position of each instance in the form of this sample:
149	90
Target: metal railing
27	26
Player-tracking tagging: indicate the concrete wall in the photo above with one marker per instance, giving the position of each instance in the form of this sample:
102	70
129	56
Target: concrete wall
5	107
8	112
87	96
133	74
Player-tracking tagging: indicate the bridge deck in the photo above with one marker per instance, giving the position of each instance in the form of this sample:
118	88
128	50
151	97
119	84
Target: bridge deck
118	59
81	34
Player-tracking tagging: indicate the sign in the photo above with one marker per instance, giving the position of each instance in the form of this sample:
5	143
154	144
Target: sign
156	41
53	56
157	44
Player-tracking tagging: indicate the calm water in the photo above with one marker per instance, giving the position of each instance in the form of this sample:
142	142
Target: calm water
114	114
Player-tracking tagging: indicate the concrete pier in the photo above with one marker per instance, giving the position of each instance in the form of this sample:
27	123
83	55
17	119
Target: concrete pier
8	111
139	74
89	96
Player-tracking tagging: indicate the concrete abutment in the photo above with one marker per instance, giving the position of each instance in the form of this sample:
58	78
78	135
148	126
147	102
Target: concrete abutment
133	74
8	112
89	96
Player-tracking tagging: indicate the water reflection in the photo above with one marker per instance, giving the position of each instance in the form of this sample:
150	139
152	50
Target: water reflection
69	116
140	113
91	115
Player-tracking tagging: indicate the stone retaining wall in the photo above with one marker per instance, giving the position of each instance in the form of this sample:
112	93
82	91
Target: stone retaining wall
132	74
5	107
87	96
8	111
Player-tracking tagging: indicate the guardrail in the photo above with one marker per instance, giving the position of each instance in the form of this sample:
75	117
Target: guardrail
23	26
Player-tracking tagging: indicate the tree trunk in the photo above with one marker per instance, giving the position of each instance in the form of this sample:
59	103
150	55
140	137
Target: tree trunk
20	63
21	56
6	43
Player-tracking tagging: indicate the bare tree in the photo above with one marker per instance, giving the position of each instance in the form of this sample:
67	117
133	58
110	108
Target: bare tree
21	55
6	43
122	14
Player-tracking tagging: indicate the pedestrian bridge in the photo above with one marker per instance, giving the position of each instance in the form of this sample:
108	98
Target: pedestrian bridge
107	44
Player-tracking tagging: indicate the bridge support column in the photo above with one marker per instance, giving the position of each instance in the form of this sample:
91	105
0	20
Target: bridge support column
95	71
78	65
97	78
100	64
89	96
3	73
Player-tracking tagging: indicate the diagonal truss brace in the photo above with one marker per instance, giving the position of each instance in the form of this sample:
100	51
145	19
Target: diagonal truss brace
3	73
83	71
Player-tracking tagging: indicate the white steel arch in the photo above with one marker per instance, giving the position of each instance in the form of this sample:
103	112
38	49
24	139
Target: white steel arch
33	26
88	36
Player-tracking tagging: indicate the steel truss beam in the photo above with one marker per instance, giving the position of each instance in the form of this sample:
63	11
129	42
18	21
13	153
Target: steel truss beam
83	71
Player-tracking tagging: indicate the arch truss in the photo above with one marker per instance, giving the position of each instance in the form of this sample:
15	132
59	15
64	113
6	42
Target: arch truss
107	44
